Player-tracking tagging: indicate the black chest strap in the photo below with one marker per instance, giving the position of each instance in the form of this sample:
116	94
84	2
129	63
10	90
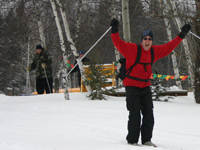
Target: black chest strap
138	62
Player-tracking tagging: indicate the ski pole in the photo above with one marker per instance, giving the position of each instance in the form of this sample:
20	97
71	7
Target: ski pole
47	79
194	35
89	50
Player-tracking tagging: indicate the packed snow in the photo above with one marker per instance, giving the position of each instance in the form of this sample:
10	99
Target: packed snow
49	122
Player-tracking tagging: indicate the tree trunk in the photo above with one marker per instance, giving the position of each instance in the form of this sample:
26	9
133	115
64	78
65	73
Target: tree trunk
117	54
28	86
41	32
72	45
185	43
57	77
78	21
173	56
63	48
196	23
126	21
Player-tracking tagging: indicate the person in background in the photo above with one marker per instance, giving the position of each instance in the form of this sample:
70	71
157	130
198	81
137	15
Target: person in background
137	84
42	63
76	69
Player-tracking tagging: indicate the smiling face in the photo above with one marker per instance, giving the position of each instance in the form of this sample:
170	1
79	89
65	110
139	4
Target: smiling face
147	42
38	51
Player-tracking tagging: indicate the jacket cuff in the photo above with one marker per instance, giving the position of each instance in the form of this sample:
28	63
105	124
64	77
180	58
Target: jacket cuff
181	35
114	30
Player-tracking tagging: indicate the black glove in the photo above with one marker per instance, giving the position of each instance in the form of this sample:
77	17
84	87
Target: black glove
184	31
114	24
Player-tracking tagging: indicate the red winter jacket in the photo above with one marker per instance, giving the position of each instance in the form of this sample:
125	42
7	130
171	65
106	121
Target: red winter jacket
129	51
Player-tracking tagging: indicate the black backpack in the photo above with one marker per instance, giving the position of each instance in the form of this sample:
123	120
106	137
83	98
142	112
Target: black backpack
125	73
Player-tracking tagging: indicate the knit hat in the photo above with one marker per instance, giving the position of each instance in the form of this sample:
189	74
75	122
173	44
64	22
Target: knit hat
39	47
81	52
147	33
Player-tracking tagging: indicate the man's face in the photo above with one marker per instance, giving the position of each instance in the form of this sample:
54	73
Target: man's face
81	55
147	42
38	51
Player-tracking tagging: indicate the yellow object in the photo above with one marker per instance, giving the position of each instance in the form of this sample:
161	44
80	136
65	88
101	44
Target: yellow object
70	90
106	67
29	68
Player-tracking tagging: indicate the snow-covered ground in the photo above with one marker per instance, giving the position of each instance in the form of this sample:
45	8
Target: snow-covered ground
48	122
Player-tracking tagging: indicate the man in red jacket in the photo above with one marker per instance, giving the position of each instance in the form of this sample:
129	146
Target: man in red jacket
138	92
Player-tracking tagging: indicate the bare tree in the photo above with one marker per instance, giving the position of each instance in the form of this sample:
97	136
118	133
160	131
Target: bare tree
41	32
28	85
173	56
126	21
72	45
196	54
117	54
185	43
63	48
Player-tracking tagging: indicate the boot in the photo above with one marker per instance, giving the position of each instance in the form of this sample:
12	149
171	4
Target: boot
149	143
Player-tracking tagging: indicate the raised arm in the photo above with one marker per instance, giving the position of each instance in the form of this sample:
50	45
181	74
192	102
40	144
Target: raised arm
166	49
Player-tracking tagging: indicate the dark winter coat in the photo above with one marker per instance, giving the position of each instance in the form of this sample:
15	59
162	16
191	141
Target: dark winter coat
129	51
38	59
76	69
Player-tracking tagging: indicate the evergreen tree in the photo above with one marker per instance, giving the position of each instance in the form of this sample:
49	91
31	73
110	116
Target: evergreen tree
96	79
157	90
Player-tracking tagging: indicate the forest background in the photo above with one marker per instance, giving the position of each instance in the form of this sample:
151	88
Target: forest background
88	20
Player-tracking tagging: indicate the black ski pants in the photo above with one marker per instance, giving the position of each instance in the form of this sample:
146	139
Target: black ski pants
42	85
139	102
